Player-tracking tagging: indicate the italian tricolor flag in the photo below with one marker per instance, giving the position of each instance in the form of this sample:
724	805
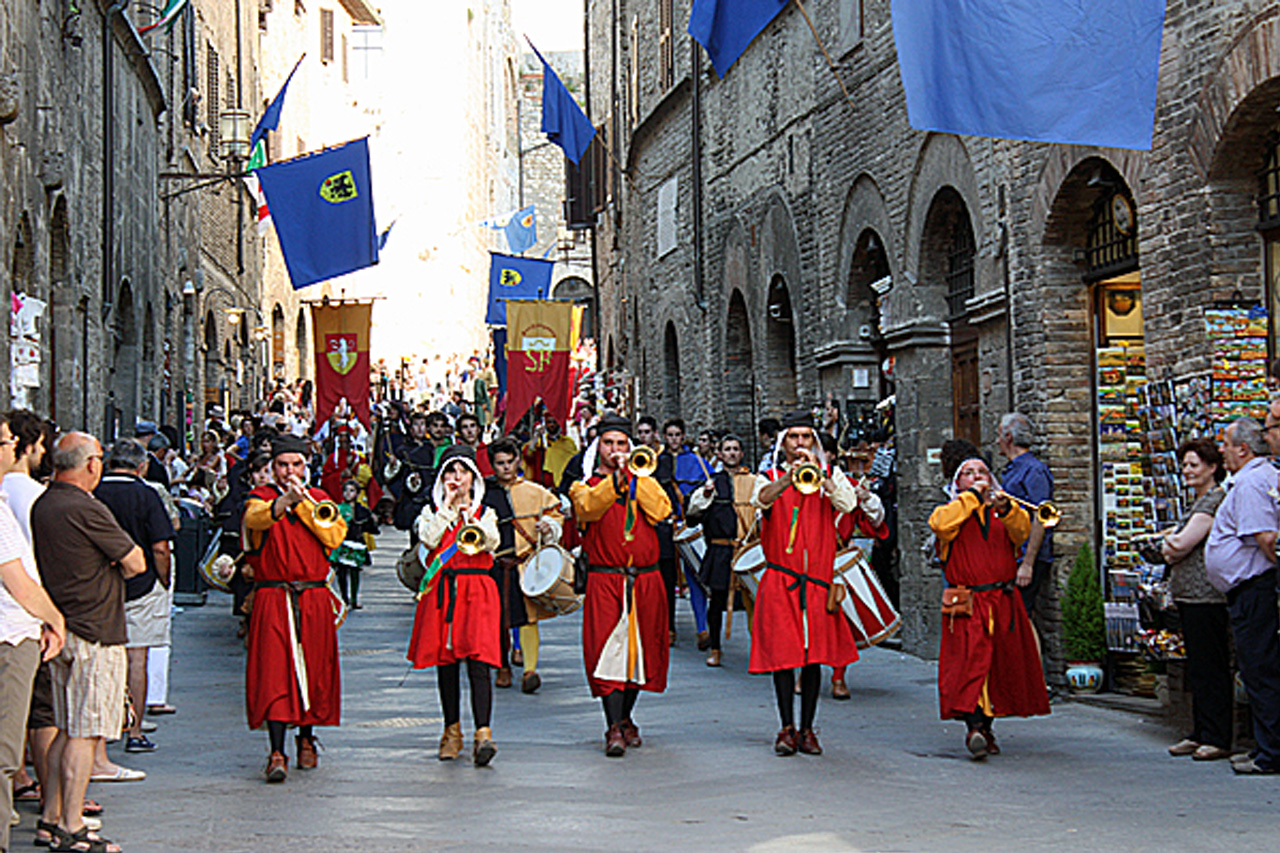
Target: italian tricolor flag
258	159
172	9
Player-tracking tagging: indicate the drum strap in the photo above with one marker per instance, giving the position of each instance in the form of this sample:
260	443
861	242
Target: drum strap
451	576
802	581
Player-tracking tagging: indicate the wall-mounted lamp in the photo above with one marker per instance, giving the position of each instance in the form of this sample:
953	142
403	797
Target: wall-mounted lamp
234	130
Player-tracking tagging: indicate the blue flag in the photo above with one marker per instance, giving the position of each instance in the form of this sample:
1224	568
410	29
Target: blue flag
724	28
322	206
1082	72
563	121
515	278
522	230
271	117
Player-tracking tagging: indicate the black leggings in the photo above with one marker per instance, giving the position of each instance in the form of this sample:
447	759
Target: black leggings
352	572
978	720
275	731
670	579
450	687
716	606
784	685
619	704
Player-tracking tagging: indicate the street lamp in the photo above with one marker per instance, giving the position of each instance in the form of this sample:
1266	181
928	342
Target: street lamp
233	134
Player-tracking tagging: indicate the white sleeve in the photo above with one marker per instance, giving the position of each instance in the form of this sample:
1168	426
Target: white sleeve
432	525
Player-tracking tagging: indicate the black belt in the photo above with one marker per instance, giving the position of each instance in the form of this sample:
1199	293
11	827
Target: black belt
451	575
631	573
1269	576
802	582
294	588
1007	587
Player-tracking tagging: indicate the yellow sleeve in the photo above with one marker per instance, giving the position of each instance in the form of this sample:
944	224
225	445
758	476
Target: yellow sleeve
1017	523
945	520
590	503
653	499
257	514
330	537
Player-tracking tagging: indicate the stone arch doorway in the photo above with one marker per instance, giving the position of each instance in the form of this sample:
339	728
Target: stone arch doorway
575	289
23	281
212	363
125	379
869	279
739	375
671	371
150	384
947	264
780	349
301	344
65	375
277	342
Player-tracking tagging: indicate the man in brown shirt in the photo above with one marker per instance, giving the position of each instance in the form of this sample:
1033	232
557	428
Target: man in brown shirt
84	557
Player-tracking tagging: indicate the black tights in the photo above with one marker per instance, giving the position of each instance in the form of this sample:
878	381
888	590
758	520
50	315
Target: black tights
619	704
352	572
275	731
716	606
784	685
978	720
450	687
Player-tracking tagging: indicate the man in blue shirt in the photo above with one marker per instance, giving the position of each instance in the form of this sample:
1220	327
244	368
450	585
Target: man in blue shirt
680	470
1028	478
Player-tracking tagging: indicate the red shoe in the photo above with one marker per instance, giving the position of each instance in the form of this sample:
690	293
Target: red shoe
307	758
809	743
615	742
277	767
631	732
786	742
992	748
976	742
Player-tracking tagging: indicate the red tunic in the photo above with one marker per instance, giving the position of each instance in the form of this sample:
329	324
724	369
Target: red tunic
850	524
477	612
778	627
995	647
606	545
292	553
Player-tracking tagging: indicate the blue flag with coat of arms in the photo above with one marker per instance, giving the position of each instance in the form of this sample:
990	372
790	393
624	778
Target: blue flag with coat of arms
522	230
515	278
322	207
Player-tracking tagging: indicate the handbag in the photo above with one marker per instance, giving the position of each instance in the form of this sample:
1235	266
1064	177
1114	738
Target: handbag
957	601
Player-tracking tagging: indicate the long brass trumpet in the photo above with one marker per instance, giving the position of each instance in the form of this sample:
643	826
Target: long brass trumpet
325	514
643	461
470	539
1047	512
806	477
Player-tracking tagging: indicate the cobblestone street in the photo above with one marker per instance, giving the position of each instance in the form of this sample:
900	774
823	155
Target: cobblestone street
893	777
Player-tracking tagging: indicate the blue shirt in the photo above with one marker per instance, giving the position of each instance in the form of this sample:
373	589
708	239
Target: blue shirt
1028	478
1232	554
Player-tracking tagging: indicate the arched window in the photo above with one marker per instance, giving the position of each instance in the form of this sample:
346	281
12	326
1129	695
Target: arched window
780	348
671	371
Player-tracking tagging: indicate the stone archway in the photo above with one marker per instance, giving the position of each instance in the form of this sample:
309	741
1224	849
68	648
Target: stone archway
125	372
65	370
781	392
577	290
302	343
23	280
670	371
739	375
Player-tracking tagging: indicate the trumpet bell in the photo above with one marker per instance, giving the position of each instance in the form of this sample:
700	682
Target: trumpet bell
643	461
470	539
325	514
1049	514
807	478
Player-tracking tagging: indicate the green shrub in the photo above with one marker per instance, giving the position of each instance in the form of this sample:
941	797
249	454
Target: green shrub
1084	627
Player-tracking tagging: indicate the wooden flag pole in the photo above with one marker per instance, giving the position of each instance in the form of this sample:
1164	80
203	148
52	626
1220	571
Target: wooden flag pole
830	62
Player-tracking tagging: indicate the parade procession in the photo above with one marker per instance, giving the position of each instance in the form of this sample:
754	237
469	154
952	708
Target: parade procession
820	425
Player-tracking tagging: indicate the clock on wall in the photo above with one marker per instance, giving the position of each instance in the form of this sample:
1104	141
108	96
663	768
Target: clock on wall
1122	214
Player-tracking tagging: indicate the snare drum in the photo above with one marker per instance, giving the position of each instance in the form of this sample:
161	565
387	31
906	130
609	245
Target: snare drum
749	566
410	568
547	579
690	546
870	614
216	569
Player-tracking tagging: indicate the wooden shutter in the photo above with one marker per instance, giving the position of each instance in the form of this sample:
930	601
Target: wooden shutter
326	35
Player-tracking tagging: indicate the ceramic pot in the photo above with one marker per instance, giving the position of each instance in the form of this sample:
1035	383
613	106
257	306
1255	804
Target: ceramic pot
1084	676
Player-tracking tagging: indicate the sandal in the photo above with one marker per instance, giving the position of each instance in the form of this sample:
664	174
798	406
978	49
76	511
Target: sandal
50	831
83	841
92	808
27	793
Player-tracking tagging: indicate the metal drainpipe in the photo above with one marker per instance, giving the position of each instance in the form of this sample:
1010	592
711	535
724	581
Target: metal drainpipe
595	265
108	183
237	186
696	131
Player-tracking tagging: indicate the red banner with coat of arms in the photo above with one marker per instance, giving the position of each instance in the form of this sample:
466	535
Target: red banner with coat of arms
540	338
342	358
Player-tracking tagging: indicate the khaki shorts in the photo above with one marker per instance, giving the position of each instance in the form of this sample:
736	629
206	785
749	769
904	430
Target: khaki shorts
147	619
88	688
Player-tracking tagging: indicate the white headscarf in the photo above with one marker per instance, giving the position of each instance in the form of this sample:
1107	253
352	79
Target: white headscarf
779	456
952	488
477	484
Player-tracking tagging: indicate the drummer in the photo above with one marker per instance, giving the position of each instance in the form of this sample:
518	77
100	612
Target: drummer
619	510
528	517
723	507
796	625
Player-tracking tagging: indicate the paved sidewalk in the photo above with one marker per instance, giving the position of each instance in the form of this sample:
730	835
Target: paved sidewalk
893	777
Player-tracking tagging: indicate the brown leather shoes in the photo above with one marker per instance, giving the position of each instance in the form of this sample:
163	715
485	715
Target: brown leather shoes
976	743
503	678
992	747
484	749
530	682
307	758
704	640
786	742
615	742
450	743
713	659
631	732
839	690
277	767
809	743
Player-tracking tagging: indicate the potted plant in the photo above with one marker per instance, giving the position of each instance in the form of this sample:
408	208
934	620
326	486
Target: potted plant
1084	630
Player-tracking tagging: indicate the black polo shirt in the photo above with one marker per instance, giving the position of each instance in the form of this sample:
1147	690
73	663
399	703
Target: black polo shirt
140	512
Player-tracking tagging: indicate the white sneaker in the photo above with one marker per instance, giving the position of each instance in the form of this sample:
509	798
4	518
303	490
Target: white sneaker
1186	746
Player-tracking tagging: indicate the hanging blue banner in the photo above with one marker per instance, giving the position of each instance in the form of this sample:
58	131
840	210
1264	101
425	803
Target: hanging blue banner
515	278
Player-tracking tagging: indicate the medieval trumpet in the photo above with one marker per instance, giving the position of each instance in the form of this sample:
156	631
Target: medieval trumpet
325	514
643	461
807	478
470	539
1047	512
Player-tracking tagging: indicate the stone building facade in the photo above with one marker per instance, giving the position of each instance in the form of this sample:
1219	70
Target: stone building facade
772	242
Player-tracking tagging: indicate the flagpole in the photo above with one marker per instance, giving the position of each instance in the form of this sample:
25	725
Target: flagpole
830	63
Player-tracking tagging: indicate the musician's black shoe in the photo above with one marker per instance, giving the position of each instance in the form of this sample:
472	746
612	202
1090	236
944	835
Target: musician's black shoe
786	742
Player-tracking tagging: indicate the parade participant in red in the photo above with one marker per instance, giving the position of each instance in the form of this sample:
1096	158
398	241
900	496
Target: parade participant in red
866	521
797	623
346	463
989	665
459	613
292	676
624	617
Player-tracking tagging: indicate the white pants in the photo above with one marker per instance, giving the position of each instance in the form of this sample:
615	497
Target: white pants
158	667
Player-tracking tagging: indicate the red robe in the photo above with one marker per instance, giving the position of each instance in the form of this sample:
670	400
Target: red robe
850	524
989	658
777	629
292	553
334	474
477	612
606	544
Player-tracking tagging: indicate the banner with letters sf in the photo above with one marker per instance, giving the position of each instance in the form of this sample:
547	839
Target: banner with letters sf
539	342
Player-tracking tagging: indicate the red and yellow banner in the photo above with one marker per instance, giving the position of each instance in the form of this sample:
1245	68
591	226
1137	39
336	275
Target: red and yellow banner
342	358
540	338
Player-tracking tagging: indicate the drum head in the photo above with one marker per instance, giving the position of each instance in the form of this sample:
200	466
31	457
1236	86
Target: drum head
541	571
687	534
750	560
